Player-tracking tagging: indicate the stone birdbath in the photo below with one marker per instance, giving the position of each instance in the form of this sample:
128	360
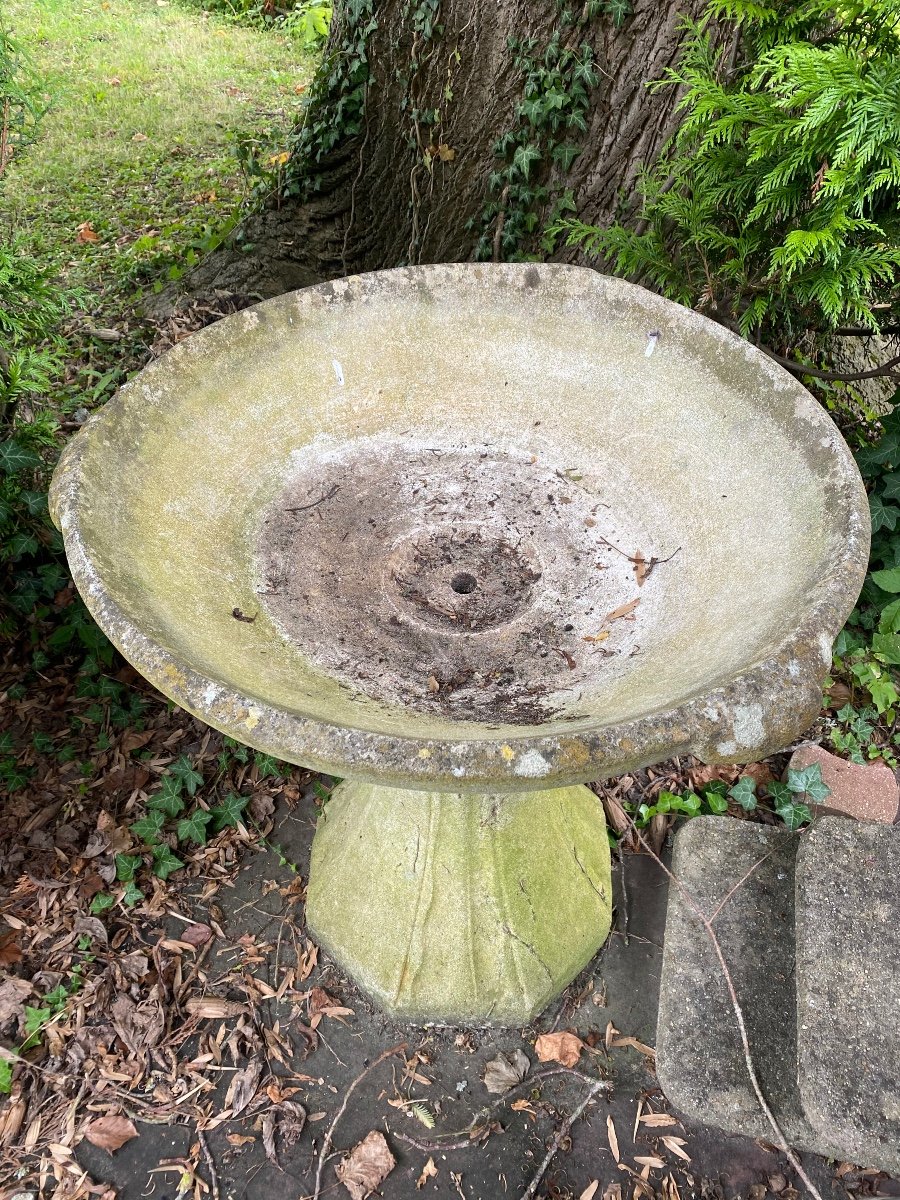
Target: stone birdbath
465	537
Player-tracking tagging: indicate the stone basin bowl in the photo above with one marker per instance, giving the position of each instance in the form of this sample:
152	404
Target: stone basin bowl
470	530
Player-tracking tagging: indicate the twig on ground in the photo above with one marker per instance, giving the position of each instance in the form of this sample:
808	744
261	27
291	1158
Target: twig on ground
210	1165
329	1136
529	1081
430	1147
560	1136
333	491
706	922
624	883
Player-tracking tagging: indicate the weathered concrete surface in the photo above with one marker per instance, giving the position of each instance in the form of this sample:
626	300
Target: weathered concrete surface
848	988
700	1061
615	392
868	793
812	940
461	908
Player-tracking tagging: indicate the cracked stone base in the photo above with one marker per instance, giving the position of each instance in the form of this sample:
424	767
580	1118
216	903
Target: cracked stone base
448	907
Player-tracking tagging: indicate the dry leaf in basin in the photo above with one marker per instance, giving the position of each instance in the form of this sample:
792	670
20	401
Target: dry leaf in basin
563	1048
590	1191
503	1073
110	1133
366	1166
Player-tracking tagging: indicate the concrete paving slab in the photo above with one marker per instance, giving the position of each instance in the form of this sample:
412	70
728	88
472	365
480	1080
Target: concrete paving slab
848	987
700	1060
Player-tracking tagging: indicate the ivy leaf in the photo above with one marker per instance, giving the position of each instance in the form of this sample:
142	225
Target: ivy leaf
168	798
619	10
524	157
716	803
127	866
101	902
229	812
193	828
16	457
183	770
148	828
6	1074
779	793
165	862
890	486
132	895
744	792
884	516
808	781
794	815
267	765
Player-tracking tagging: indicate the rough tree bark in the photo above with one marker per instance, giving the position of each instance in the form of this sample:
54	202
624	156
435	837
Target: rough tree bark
415	173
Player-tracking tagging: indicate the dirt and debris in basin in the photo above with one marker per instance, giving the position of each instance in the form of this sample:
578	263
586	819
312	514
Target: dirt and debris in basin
471	584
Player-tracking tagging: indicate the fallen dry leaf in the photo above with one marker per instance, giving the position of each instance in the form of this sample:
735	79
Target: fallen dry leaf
86	233
641	568
674	1144
366	1166
641	1047
239	1139
428	1172
649	1160
613	1140
10	951
13	993
214	1007
564	1048
590	1191
597	637
242	1088
658	1120
197	935
268	1137
135	739
622	611
502	1073
110	1133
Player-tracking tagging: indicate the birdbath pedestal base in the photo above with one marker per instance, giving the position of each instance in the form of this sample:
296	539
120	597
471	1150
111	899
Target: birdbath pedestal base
454	908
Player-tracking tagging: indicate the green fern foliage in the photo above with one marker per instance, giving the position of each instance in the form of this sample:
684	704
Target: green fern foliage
776	206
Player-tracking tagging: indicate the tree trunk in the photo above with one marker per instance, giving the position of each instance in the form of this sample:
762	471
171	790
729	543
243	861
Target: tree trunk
449	130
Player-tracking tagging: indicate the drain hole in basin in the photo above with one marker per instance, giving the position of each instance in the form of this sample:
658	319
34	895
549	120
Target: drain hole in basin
464	583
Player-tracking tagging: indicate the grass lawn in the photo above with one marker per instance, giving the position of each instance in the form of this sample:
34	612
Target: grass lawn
139	147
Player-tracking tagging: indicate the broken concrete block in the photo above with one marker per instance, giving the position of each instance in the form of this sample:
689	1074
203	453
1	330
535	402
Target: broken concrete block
848	988
868	793
700	1060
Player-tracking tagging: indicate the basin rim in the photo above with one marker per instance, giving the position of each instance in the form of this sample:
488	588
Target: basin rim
778	695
